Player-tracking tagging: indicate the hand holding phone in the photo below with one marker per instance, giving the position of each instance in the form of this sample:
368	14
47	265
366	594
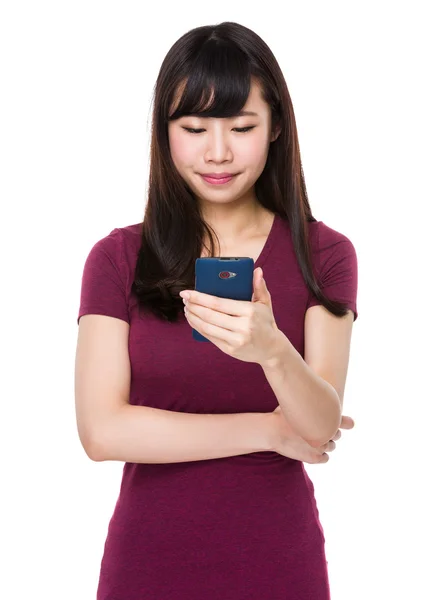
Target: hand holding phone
226	277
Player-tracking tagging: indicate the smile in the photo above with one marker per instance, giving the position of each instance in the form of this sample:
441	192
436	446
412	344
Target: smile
219	181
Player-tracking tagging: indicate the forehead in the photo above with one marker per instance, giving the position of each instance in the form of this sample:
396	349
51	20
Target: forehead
255	101
254	106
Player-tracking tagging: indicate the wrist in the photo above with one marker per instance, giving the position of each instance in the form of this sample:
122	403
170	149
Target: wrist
269	431
278	349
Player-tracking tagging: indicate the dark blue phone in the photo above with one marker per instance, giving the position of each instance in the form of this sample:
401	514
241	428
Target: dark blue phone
224	277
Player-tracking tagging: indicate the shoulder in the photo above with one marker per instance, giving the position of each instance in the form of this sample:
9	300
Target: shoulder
130	239
128	235
115	253
322	238
333	252
120	245
108	273
326	239
131	232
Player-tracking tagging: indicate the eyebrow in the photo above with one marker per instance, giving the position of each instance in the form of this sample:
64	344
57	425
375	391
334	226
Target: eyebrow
249	113
242	113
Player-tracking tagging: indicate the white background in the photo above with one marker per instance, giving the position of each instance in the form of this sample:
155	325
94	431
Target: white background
365	80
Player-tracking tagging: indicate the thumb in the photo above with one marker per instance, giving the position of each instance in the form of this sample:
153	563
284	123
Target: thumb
260	291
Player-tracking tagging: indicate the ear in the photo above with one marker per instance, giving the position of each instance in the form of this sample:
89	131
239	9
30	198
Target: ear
276	134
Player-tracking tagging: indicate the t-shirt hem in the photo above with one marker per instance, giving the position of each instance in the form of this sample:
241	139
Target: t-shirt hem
97	310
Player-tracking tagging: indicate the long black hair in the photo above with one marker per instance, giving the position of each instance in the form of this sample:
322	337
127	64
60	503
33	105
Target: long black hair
208	72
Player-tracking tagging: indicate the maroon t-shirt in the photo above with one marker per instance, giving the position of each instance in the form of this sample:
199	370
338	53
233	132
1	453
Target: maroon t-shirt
236	528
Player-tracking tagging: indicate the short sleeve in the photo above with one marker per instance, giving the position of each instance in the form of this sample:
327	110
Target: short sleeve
336	266
102	287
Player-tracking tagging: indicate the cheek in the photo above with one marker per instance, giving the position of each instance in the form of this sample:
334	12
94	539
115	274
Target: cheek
182	152
254	154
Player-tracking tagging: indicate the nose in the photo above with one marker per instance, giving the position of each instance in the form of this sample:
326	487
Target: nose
218	146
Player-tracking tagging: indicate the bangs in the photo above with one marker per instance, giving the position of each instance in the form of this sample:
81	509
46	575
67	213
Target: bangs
217	84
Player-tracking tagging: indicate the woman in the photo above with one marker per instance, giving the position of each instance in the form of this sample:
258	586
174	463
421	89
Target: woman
215	502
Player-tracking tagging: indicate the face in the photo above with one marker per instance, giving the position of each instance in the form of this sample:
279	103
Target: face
236	145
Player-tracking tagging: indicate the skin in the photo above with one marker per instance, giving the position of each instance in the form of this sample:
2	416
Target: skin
233	211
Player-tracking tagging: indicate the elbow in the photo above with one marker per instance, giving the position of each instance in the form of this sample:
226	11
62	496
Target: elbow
98	443
327	420
93	449
328	433
333	422
318	443
323	436
96	453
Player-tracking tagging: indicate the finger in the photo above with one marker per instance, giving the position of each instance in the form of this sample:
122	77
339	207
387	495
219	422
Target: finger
319	458
337	435
347	422
212	332
240	308
328	447
213	317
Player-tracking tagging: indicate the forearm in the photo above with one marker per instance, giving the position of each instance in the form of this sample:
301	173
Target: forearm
309	403
141	434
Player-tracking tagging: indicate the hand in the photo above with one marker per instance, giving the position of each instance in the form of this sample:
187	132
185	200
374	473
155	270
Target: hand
288	443
240	328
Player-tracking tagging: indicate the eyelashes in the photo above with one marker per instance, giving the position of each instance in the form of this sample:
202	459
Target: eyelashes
237	129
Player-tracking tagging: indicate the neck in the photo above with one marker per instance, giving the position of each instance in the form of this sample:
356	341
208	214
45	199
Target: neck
234	224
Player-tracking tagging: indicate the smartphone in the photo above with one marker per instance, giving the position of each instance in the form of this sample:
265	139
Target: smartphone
224	277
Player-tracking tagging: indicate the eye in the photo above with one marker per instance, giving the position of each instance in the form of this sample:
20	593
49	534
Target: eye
244	129
192	130
238	129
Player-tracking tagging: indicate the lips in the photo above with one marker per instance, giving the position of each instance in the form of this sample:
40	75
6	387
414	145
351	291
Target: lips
217	180
218	175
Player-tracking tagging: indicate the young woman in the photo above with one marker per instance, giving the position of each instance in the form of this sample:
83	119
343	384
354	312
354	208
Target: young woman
215	503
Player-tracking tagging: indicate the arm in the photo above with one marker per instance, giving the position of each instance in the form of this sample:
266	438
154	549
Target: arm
310	390
141	434
309	403
110	428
